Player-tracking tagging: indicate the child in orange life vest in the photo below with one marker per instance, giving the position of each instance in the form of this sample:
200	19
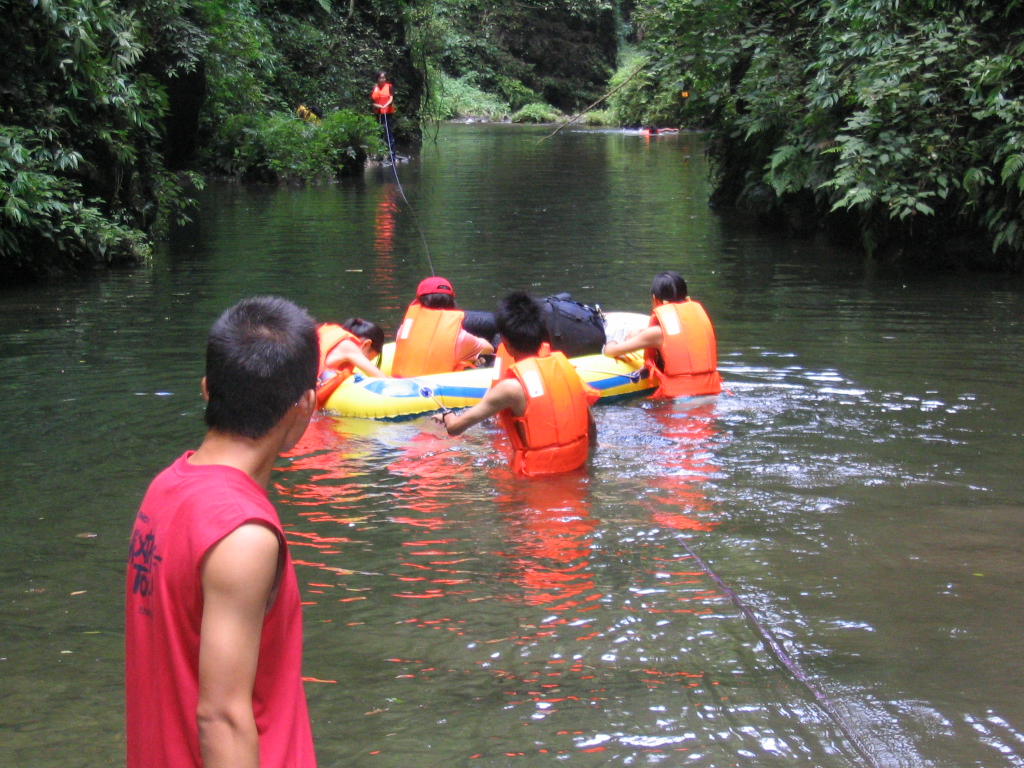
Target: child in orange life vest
542	403
431	338
343	349
679	344
383	96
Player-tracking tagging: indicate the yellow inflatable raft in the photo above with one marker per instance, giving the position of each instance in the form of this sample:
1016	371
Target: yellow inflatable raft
401	399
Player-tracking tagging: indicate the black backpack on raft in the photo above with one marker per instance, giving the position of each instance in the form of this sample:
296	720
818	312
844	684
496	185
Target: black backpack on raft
575	329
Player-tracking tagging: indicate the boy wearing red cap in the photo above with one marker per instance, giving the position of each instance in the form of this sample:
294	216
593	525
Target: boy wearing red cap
431	338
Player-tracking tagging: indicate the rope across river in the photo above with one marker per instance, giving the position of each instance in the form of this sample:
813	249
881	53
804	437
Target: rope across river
773	644
394	168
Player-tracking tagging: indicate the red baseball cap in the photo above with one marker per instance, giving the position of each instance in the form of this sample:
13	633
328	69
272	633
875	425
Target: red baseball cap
435	285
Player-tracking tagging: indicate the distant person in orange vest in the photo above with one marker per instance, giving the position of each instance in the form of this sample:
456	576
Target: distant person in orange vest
431	338
679	344
343	349
383	97
542	403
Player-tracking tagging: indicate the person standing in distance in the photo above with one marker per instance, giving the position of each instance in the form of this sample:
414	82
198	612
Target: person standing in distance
679	345
383	97
213	623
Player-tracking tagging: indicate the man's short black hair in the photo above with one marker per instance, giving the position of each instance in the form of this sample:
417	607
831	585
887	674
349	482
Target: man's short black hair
261	356
520	321
437	301
365	329
669	286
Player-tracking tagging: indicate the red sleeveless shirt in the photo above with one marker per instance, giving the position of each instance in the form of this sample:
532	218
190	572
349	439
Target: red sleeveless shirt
187	509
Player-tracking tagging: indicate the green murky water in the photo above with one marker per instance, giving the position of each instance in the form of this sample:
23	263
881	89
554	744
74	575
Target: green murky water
858	486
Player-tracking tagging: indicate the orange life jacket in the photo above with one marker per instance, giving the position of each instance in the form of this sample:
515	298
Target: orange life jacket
552	434
503	360
427	342
379	96
329	379
689	353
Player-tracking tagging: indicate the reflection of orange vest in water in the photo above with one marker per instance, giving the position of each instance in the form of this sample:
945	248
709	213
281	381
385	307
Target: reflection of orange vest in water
329	379
554	428
689	354
426	342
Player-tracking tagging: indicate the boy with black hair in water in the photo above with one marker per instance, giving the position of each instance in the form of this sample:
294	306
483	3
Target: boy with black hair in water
344	349
541	402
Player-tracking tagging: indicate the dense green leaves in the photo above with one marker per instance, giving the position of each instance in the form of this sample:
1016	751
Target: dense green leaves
907	116
44	222
280	147
95	94
78	129
556	51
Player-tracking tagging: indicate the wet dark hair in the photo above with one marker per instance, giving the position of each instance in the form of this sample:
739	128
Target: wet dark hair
520	321
366	329
669	286
261	356
437	301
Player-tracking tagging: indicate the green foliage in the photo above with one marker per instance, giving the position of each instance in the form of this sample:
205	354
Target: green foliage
558	51
280	147
905	116
514	92
642	95
461	97
600	117
536	113
80	112
240	61
633	96
45	224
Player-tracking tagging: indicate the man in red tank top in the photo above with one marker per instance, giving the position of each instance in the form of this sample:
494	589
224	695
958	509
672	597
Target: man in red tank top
213	624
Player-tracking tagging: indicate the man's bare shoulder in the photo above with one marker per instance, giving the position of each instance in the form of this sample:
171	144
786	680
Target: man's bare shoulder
507	393
244	556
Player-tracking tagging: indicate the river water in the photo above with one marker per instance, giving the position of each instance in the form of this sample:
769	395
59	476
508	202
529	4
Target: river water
857	487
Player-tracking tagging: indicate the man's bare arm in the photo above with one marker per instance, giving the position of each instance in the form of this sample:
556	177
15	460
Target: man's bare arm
347	351
505	394
239	574
645	339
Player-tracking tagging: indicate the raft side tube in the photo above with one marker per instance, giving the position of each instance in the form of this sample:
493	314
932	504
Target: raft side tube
401	399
